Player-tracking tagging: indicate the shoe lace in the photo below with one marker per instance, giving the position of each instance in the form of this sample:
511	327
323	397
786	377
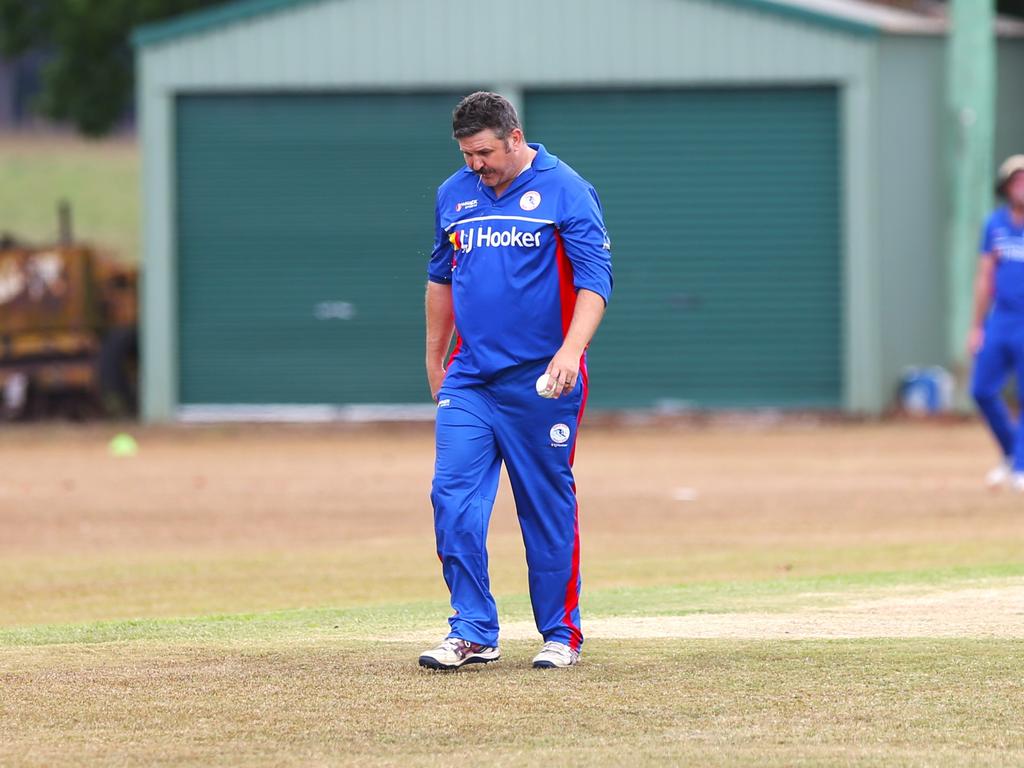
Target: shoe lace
450	644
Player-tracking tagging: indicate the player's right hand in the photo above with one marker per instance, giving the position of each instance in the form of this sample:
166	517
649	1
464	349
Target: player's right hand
975	340
435	378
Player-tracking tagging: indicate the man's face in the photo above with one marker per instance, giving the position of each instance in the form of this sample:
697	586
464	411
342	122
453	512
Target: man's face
496	161
1015	189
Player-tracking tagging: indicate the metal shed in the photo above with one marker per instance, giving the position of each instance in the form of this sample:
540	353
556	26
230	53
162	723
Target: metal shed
771	172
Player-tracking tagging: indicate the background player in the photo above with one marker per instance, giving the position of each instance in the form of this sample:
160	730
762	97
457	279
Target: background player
521	271
997	333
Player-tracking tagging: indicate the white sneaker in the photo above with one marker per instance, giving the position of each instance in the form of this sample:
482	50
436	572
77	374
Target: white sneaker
453	652
1017	482
999	475
554	655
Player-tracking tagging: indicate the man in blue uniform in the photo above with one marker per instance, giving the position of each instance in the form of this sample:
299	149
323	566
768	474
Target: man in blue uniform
520	274
997	333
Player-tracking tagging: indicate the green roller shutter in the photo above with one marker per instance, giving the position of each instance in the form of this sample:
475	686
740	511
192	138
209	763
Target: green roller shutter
304	227
723	209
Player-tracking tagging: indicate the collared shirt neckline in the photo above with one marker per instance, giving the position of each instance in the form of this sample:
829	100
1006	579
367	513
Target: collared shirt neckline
542	161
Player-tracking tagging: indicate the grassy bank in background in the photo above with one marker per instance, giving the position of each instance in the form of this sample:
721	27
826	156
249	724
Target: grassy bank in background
100	179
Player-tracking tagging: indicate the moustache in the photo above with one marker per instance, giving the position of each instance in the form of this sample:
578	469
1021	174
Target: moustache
484	171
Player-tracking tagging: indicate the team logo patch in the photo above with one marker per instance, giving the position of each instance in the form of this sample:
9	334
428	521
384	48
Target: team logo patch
529	201
444	403
559	434
466	205
1007	247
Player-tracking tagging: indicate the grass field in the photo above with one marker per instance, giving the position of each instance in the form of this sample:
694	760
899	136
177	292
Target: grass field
99	178
802	595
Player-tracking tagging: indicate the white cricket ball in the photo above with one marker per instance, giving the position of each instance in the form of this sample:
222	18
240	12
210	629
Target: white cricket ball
545	385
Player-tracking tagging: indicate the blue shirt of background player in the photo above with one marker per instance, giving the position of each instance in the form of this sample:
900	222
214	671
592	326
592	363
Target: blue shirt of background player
1005	242
508	294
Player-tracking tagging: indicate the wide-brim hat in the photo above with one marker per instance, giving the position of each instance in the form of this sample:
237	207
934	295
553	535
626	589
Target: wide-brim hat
1011	165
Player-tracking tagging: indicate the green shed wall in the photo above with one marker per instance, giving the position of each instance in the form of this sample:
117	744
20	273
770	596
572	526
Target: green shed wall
1009	99
302	256
723	207
910	172
912	177
401	45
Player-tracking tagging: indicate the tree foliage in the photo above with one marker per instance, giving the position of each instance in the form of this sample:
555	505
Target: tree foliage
89	81
1011	7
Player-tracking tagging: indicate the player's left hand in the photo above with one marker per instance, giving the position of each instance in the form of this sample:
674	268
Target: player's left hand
565	369
975	340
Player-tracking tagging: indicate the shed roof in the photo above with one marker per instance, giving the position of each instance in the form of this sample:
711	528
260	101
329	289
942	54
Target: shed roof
930	19
853	16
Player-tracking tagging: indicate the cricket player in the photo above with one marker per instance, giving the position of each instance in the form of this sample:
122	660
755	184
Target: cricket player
996	338
520	273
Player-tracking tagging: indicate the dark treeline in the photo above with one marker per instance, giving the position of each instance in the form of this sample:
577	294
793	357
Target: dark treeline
89	78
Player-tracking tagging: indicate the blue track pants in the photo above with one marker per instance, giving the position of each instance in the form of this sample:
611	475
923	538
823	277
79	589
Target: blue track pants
1001	353
478	428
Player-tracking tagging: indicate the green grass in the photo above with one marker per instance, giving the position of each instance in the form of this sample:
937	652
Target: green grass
381	620
79	588
669	702
273	615
319	686
99	179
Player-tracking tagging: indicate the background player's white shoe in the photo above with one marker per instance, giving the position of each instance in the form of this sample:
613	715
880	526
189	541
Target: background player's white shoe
999	475
555	655
1017	482
453	652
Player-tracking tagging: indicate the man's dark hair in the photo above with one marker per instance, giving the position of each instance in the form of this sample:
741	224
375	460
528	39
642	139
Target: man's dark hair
482	110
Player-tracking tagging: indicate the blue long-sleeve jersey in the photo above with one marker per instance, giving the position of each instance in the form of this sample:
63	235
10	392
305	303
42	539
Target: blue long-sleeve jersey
1005	241
515	263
